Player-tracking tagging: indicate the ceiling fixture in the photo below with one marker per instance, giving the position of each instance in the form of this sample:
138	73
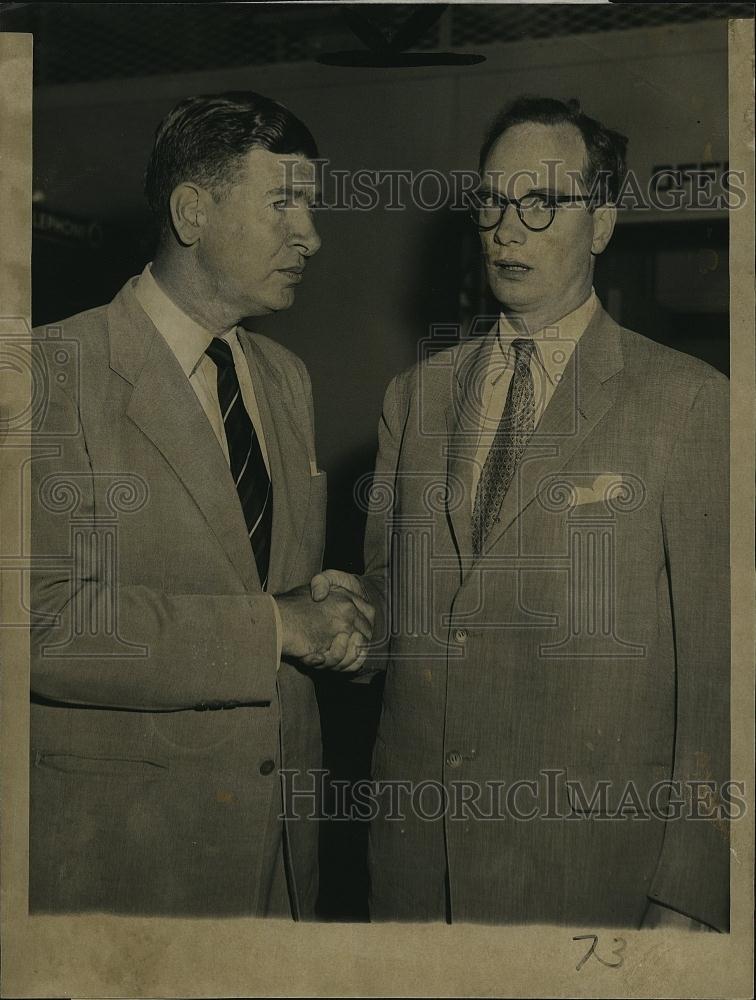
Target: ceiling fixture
387	48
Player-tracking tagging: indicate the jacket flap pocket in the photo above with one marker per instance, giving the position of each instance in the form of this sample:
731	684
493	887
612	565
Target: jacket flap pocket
107	766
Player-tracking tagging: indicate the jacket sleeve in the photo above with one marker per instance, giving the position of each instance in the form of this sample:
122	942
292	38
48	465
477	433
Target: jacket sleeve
692	876
170	651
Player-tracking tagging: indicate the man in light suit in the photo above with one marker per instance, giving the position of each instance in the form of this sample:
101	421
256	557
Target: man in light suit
547	548
177	519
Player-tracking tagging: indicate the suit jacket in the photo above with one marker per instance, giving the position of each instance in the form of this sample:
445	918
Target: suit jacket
587	651
159	717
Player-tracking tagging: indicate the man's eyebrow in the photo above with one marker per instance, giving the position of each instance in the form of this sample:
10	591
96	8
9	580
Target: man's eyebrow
297	187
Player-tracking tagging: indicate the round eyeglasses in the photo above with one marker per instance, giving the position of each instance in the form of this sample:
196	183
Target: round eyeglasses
535	211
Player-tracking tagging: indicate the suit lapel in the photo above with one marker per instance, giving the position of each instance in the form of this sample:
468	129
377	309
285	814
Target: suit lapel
166	409
581	399
288	456
463	419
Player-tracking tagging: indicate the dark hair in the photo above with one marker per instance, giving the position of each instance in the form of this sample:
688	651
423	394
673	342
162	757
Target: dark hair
203	139
606	148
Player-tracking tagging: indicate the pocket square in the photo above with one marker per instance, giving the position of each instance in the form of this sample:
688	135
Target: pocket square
605	487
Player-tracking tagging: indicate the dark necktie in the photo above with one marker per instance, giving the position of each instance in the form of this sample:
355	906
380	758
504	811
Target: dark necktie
247	464
515	427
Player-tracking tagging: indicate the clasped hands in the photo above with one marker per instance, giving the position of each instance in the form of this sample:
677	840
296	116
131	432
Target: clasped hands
328	622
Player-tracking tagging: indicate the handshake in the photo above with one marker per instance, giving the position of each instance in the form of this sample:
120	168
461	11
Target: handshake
327	623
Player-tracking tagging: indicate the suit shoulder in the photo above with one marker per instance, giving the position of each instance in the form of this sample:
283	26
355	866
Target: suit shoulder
84	336
430	380
81	325
676	371
436	366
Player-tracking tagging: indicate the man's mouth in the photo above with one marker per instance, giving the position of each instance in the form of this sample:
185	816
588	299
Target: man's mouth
512	266
295	273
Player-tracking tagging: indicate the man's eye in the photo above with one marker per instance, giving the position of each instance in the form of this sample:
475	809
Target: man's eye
535	202
487	199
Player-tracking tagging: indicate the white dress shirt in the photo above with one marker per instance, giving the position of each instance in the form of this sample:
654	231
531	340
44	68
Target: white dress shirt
188	341
554	346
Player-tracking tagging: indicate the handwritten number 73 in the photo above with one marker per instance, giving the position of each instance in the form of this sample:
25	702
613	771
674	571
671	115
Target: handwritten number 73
620	945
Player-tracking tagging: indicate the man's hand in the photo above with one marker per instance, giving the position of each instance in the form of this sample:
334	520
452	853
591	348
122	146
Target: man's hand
321	584
329	631
345	653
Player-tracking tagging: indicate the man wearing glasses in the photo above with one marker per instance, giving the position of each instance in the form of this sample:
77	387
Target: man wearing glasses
553	496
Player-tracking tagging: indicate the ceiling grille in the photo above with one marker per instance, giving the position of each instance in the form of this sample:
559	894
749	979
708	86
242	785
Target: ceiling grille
76	42
479	25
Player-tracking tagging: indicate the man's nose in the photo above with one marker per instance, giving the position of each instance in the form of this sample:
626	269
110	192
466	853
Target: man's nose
306	235
510	228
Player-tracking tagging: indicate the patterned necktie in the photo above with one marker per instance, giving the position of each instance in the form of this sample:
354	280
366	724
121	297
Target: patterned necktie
515	427
247	464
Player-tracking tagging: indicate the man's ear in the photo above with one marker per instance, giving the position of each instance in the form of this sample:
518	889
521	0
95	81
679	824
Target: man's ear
188	213
604	219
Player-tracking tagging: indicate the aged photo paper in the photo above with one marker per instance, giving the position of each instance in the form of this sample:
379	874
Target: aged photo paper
390	287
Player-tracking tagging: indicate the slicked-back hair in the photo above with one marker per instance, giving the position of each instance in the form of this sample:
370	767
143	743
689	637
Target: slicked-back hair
204	140
605	166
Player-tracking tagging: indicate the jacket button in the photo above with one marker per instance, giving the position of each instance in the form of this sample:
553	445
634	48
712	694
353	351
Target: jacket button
454	759
460	635
267	766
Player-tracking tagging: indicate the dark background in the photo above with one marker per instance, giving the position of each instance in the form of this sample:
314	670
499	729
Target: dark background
106	74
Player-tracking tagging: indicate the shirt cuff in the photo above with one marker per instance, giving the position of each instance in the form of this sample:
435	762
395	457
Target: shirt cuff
279	631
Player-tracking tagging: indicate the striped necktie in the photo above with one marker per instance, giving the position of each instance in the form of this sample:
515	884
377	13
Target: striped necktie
245	458
515	428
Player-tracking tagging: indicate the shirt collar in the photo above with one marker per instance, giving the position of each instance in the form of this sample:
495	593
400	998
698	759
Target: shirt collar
187	339
554	344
